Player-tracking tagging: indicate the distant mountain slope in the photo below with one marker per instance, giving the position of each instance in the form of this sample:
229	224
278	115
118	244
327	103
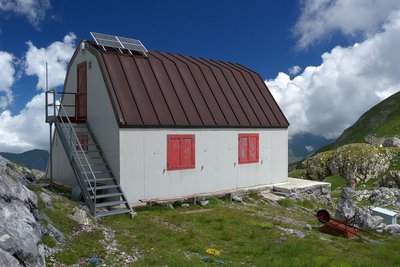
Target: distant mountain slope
32	159
382	120
305	144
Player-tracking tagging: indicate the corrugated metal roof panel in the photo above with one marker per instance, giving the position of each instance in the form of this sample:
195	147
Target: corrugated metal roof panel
167	90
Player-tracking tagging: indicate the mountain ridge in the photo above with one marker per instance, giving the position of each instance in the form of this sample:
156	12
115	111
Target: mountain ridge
382	120
32	159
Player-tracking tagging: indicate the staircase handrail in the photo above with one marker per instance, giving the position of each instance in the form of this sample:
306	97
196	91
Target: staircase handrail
60	108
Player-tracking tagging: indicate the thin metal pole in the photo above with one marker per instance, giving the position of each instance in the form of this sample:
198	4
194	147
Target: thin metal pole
51	128
47	79
51	158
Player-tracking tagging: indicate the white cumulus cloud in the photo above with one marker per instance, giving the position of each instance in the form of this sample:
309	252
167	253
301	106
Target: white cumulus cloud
319	19
7	78
326	99
27	129
309	148
33	10
57	56
294	70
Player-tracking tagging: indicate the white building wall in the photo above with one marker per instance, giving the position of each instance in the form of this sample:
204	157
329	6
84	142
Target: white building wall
144	156
62	170
100	117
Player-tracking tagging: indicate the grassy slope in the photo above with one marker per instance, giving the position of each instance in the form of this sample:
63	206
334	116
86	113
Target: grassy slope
243	232
382	120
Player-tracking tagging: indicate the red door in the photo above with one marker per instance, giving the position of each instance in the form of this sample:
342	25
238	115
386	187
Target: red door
81	93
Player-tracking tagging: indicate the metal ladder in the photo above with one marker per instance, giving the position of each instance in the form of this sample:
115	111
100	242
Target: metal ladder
99	187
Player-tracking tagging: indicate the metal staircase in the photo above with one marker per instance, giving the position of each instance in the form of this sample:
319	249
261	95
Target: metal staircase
99	187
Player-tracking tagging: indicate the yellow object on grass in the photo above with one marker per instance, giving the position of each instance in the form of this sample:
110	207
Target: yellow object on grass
213	251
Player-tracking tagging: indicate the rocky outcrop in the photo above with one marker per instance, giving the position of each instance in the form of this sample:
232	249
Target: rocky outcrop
365	219
20	233
360	162
373	140
393	229
345	209
393	141
316	168
383	196
321	193
392	180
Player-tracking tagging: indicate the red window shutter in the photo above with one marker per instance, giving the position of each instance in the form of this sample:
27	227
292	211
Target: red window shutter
253	148
243	148
180	152
248	148
187	152
173	151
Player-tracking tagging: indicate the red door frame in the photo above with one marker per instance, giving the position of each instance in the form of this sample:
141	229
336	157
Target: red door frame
81	93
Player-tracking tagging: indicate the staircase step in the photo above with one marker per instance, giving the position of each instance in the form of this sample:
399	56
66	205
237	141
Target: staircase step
110	203
94	164
89	145
105	179
108	186
112	212
116	194
88	151
105	171
75	136
83	138
89	157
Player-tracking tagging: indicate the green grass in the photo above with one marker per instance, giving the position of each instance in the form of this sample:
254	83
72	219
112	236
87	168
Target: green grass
49	241
243	232
336	181
285	202
296	173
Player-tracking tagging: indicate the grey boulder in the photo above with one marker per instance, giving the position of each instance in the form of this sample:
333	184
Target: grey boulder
20	233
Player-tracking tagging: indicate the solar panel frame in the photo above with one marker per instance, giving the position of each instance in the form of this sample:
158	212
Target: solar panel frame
107	40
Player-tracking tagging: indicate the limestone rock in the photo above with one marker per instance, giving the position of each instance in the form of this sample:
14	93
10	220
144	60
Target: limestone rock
47	200
321	193
393	229
237	198
204	203
373	140
391	142
6	259
392	179
20	231
384	196
80	216
366	219
360	162
50	230
345	209
316	168
10	189
290	231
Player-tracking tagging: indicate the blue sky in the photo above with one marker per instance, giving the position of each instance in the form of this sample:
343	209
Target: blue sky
258	35
323	43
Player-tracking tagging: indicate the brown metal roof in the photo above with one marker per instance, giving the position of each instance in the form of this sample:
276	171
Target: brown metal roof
169	90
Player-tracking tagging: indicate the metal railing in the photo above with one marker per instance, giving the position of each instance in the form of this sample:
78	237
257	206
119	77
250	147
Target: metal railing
74	146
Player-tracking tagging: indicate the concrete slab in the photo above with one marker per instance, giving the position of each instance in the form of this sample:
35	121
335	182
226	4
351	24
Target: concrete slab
271	196
294	183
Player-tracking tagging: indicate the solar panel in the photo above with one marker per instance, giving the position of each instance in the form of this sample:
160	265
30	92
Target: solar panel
106	40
